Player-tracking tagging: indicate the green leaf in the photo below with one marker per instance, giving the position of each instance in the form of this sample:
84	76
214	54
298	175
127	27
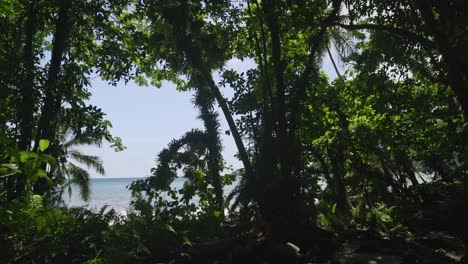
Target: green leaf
49	181
141	80
10	166
187	241
217	214
27	155
41	173
169	228
334	208
43	144
23	156
49	159
8	169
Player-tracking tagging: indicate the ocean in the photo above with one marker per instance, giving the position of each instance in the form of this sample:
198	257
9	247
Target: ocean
112	192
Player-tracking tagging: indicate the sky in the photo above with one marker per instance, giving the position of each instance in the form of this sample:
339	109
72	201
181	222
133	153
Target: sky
148	118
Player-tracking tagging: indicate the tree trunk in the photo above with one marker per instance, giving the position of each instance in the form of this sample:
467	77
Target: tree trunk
284	146
17	184
197	62
465	215
452	58
457	70
214	166
27	102
266	153
338	159
194	56
210	120
53	99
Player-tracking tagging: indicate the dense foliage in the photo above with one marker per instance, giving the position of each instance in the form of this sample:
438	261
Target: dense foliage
381	146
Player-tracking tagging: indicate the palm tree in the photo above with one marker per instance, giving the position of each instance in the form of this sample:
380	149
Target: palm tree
69	170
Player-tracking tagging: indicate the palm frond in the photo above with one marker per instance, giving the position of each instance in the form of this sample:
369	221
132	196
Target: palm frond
90	161
231	200
239	196
82	140
342	41
79	177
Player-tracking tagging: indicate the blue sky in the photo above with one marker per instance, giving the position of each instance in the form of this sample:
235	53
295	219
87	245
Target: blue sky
147	118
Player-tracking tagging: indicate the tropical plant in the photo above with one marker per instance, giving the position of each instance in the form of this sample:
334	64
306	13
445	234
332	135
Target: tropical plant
69	172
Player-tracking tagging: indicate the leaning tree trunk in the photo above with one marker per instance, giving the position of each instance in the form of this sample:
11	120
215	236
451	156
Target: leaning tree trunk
196	60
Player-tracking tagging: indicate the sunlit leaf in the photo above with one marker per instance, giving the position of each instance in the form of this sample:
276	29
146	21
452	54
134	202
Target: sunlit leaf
43	144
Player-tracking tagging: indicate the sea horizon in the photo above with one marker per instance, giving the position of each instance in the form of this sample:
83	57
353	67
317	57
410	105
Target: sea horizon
112	192
105	191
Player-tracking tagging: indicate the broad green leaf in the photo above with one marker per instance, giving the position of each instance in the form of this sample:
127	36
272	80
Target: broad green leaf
27	155
43	144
